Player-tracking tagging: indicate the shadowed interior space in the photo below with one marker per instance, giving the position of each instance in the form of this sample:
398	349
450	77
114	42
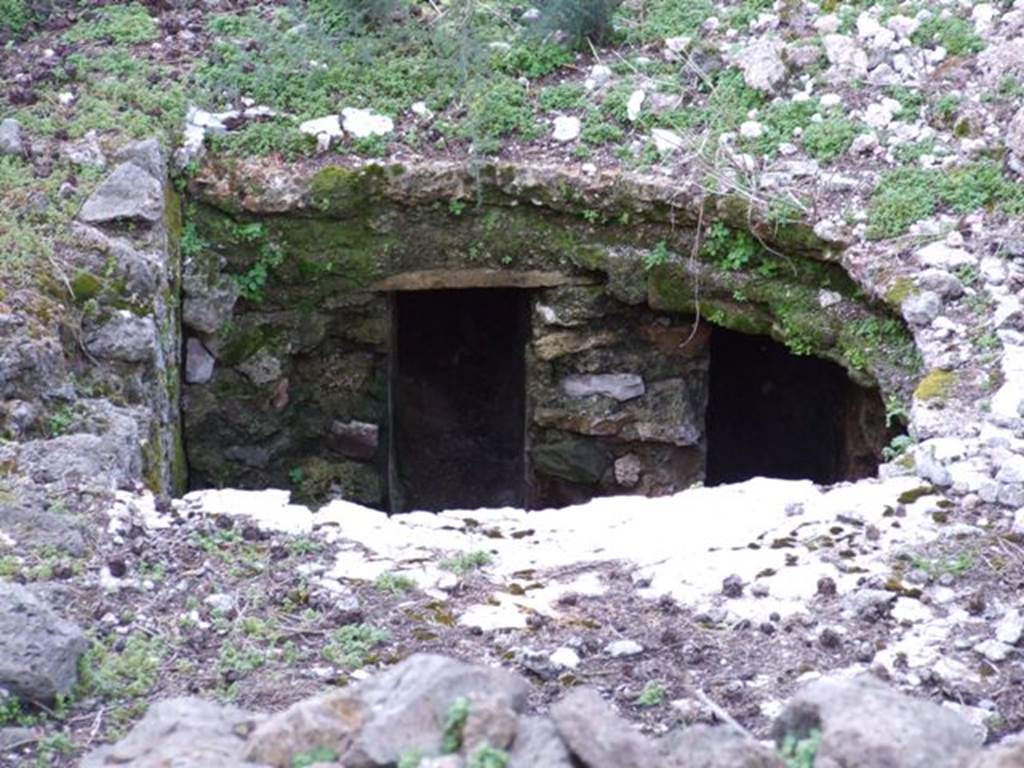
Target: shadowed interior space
772	413
458	397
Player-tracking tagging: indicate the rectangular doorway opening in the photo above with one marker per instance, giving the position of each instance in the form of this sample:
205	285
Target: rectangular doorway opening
458	399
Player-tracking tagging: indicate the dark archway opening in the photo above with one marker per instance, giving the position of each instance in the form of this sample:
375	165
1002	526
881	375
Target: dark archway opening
458	399
772	413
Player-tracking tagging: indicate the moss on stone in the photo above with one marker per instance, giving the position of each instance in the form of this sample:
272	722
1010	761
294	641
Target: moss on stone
937	385
900	289
243	343
85	285
341	191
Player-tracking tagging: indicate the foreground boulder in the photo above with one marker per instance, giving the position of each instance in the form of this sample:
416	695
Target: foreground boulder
865	724
39	651
185	733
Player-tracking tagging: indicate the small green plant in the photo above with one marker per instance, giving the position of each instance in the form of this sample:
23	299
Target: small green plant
394	583
466	562
652	695
60	421
455	722
800	752
14	16
730	249
658	256
830	138
488	757
352	645
10	710
411	759
954	34
128	673
296	475
896	447
314	756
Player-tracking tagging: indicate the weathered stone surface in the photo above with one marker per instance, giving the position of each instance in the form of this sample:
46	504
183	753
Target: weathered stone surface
571	459
410	702
12	737
332	719
491	722
619	386
1015	134
1007	754
129	193
597	736
355	439
553	345
207	306
185	733
199	362
704	746
10	138
762	64
125	337
538	744
436	279
39	650
865	724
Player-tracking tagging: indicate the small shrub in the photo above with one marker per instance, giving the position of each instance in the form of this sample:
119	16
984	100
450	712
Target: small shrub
14	16
652	695
533	59
451	738
658	256
953	33
466	562
827	140
351	645
499	111
128	24
800	753
581	21
730	249
394	583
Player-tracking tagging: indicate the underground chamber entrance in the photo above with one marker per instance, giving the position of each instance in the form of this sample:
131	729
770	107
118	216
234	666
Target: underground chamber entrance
458	399
772	413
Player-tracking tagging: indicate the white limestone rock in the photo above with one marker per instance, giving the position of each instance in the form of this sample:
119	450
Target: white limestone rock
363	123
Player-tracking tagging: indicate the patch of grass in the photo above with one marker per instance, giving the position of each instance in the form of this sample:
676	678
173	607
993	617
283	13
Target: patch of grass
499	111
598	133
14	16
467	562
652	695
954	34
655	20
239	659
780	120
128	24
279	136
564	96
352	645
533	59
127	673
830	138
907	195
394	583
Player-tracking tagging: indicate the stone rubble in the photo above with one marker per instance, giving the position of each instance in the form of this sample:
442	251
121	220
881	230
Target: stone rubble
434	711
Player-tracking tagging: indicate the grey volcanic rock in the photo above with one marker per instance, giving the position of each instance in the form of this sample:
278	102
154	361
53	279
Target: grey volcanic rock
597	736
185	733
410	703
401	710
10	137
129	193
537	743
126	337
198	362
39	650
704	746
866	724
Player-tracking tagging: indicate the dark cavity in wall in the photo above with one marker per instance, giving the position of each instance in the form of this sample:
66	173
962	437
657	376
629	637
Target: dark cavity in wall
458	399
775	414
